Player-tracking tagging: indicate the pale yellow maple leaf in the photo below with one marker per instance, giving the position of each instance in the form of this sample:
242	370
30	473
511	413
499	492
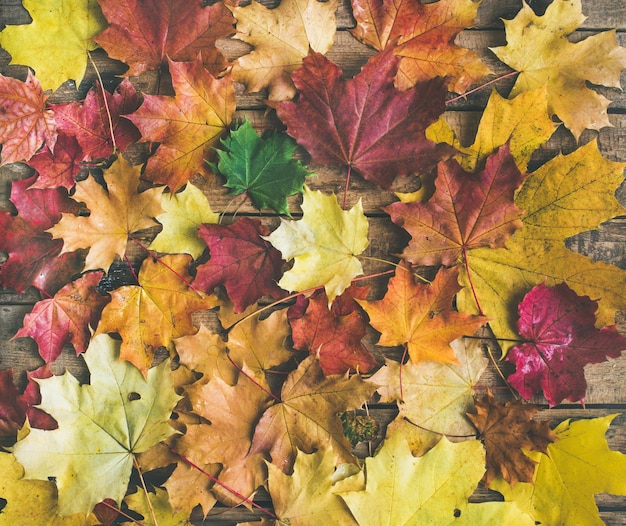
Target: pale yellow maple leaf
538	47
115	214
281	38
184	212
324	244
57	41
578	466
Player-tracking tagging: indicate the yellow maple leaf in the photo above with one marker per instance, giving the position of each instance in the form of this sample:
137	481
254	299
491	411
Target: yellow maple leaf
281	37
115	214
538	47
57	41
568	195
156	311
324	244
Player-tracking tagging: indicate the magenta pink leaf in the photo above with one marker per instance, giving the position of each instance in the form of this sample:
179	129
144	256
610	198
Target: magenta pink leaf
91	123
59	168
67	317
244	263
559	327
34	258
365	122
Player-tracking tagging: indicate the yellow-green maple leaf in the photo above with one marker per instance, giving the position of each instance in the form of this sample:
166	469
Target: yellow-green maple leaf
101	427
305	498
115	214
522	122
155	508
281	37
538	47
184	212
403	490
324	244
568	195
578	466
57	41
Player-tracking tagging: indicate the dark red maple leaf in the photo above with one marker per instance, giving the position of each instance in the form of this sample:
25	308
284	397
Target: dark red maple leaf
34	258
91	122
59	168
144	33
243	262
16	406
335	333
466	211
559	326
67	317
365	123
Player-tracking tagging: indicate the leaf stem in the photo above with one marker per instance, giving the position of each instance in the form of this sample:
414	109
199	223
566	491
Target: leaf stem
220	483
469	278
501	374
437	432
145	490
240	369
125	515
492	81
345	190
106	103
387	262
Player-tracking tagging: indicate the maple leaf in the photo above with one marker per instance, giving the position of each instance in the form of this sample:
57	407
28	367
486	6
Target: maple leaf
57	41
58	168
505	430
323	244
262	167
335	338
578	466
115	214
421	316
299	502
155	508
435	396
90	454
233	411
306	418
99	116
281	37
560	338
183	214
395	145
25	120
16	407
561	199
188	125
466	211
423	35
538	47
432	489
241	260
144	34
34	258
522	122
67	317
156	311
259	343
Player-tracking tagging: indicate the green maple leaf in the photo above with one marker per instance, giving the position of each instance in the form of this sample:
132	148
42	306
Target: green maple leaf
57	41
433	489
578	466
101	426
263	167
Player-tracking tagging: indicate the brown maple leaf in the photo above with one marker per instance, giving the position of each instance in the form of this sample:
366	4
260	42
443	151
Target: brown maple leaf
505	430
423	35
307	418
153	313
420	315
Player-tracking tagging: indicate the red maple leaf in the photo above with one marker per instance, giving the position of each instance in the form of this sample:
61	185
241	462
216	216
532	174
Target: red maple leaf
67	317
335	333
34	258
59	168
365	123
466	211
144	33
15	407
243	262
561	338
93	121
